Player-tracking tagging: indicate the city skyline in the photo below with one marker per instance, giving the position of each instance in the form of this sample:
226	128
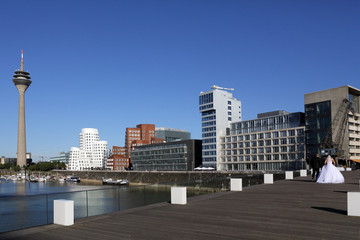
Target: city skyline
118	64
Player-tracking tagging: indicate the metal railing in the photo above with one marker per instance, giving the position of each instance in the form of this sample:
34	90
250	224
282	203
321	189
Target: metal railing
19	212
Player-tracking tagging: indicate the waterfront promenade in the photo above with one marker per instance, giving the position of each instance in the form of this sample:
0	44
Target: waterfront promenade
288	209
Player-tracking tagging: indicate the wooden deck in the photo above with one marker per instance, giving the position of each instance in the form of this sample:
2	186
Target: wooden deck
288	209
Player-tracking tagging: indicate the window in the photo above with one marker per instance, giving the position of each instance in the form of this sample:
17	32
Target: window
283	140
229	102
275	149
268	135
283	149
260	136
275	141
291	132
282	133
229	107
300	132
275	134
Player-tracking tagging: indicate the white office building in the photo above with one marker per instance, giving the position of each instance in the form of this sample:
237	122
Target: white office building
218	109
92	153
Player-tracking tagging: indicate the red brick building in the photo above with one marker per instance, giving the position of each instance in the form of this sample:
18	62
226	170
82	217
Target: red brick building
142	134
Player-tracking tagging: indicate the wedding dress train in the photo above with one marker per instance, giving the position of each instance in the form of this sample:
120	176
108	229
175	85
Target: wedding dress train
330	174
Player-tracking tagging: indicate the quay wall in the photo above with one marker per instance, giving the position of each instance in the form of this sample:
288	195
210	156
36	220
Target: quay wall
154	177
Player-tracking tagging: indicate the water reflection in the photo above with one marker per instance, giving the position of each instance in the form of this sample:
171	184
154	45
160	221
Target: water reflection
25	205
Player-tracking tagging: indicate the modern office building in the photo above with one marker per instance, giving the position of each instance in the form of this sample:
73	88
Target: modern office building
171	134
334	113
218	109
173	156
273	141
63	157
92	153
142	134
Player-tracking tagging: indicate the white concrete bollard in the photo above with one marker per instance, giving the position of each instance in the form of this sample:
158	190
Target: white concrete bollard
64	212
178	195
341	169
311	171
353	207
348	169
289	175
268	178
303	173
236	184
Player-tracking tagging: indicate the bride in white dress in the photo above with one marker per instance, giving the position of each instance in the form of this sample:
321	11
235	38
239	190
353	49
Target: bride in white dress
329	173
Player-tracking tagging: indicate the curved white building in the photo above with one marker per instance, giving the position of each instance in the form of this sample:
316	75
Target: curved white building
92	153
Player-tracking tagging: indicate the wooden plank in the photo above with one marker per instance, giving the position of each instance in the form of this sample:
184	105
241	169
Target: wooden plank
291	209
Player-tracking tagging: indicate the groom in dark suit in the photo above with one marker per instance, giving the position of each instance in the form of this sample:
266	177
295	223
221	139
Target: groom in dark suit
315	165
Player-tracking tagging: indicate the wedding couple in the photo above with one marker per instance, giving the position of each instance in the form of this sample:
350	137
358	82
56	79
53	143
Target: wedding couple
329	173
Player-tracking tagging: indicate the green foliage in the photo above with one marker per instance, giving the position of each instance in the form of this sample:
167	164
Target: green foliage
46	166
16	168
6	166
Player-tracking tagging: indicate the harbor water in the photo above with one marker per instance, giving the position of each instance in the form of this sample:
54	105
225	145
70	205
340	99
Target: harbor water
27	204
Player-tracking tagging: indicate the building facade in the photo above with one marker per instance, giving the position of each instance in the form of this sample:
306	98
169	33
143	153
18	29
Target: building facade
91	154
323	113
171	134
63	157
173	156
142	134
218	109
273	141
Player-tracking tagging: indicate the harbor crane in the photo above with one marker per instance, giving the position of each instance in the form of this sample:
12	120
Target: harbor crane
217	87
333	141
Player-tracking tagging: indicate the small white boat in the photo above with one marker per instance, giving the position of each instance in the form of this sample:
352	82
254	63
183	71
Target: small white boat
73	179
114	181
61	180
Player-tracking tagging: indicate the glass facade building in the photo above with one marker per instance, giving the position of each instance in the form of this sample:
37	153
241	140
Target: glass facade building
171	134
174	156
275	142
317	125
322	108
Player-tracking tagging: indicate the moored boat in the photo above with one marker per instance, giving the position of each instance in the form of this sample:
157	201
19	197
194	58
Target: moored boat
114	181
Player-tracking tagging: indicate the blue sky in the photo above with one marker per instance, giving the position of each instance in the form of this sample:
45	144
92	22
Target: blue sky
114	64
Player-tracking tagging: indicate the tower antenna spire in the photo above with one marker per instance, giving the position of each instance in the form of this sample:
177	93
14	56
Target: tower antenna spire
22	60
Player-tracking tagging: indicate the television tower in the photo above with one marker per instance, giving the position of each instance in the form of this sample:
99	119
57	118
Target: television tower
22	82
